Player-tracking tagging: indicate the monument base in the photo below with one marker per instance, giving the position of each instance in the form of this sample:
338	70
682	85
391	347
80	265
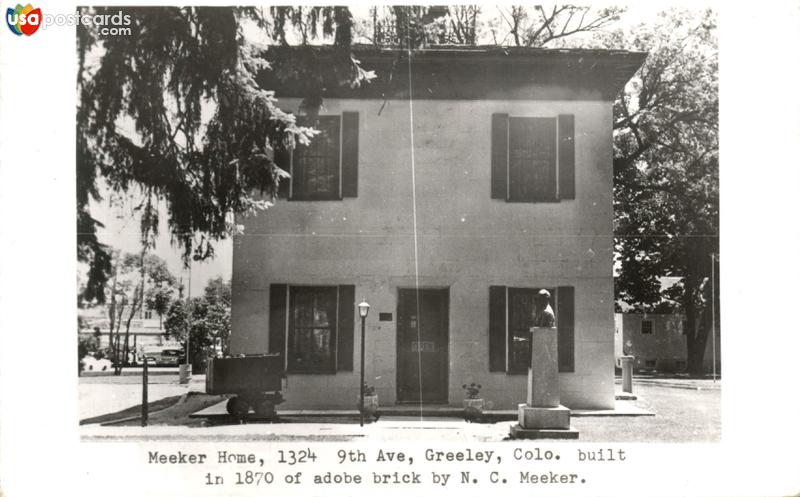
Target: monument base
543	422
518	432
543	417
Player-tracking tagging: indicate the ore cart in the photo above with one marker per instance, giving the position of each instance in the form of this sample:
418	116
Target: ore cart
255	380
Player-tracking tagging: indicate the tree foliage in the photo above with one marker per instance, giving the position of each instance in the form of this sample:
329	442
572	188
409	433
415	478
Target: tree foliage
175	114
218	290
126	295
666	170
469	25
205	320
159	298
539	26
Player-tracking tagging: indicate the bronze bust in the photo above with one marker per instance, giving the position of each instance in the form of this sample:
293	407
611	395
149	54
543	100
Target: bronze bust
543	315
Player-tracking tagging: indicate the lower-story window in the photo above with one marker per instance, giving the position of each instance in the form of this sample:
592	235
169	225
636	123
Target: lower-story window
510	320
312	329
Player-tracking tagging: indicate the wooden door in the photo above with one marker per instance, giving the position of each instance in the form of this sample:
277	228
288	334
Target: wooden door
422	345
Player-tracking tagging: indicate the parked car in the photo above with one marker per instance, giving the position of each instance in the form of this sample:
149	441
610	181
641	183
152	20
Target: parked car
91	364
171	357
164	357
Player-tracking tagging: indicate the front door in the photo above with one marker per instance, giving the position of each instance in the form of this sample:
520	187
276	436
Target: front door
422	341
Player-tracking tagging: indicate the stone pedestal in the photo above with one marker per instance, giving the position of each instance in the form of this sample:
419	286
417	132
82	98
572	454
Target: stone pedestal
543	416
626	362
184	373
543	371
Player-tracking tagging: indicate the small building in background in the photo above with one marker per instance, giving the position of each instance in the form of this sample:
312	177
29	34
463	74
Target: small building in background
657	342
146	328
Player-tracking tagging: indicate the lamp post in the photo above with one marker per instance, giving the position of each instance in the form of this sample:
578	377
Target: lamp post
363	310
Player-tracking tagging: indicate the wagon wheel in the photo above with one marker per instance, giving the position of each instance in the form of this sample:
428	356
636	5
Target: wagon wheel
264	408
237	407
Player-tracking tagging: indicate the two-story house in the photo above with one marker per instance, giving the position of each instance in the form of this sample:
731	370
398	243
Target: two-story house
445	196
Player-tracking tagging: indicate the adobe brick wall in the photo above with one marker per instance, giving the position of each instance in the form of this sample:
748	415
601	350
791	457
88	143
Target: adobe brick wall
466	240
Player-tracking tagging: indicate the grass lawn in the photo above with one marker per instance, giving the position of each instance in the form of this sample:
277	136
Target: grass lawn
166	411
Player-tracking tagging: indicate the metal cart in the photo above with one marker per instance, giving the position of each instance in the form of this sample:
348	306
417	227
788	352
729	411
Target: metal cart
255	380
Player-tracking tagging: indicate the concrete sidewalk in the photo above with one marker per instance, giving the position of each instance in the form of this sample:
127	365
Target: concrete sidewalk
622	408
687	383
384	430
680	415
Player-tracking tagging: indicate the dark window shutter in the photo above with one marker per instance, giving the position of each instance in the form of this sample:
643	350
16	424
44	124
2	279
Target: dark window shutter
344	333
350	154
497	328
499	155
566	329
566	156
283	158
277	319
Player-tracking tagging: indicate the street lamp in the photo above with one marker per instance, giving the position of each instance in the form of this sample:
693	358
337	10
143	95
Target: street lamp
363	310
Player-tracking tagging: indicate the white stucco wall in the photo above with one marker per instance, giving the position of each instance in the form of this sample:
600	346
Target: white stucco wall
466	241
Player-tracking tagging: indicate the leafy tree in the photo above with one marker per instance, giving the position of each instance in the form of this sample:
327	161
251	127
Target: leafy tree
469	25
666	170
203	320
174	114
218	290
86	344
132	273
158	300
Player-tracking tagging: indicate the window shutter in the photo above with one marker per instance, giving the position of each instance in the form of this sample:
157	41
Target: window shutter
566	328
277	319
566	156
350	154
497	328
499	155
283	158
345	327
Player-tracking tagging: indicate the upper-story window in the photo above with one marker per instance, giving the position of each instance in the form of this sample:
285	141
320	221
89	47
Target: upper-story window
533	158
326	168
316	167
647	327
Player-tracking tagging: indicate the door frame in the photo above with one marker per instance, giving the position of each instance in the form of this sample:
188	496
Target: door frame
446	380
